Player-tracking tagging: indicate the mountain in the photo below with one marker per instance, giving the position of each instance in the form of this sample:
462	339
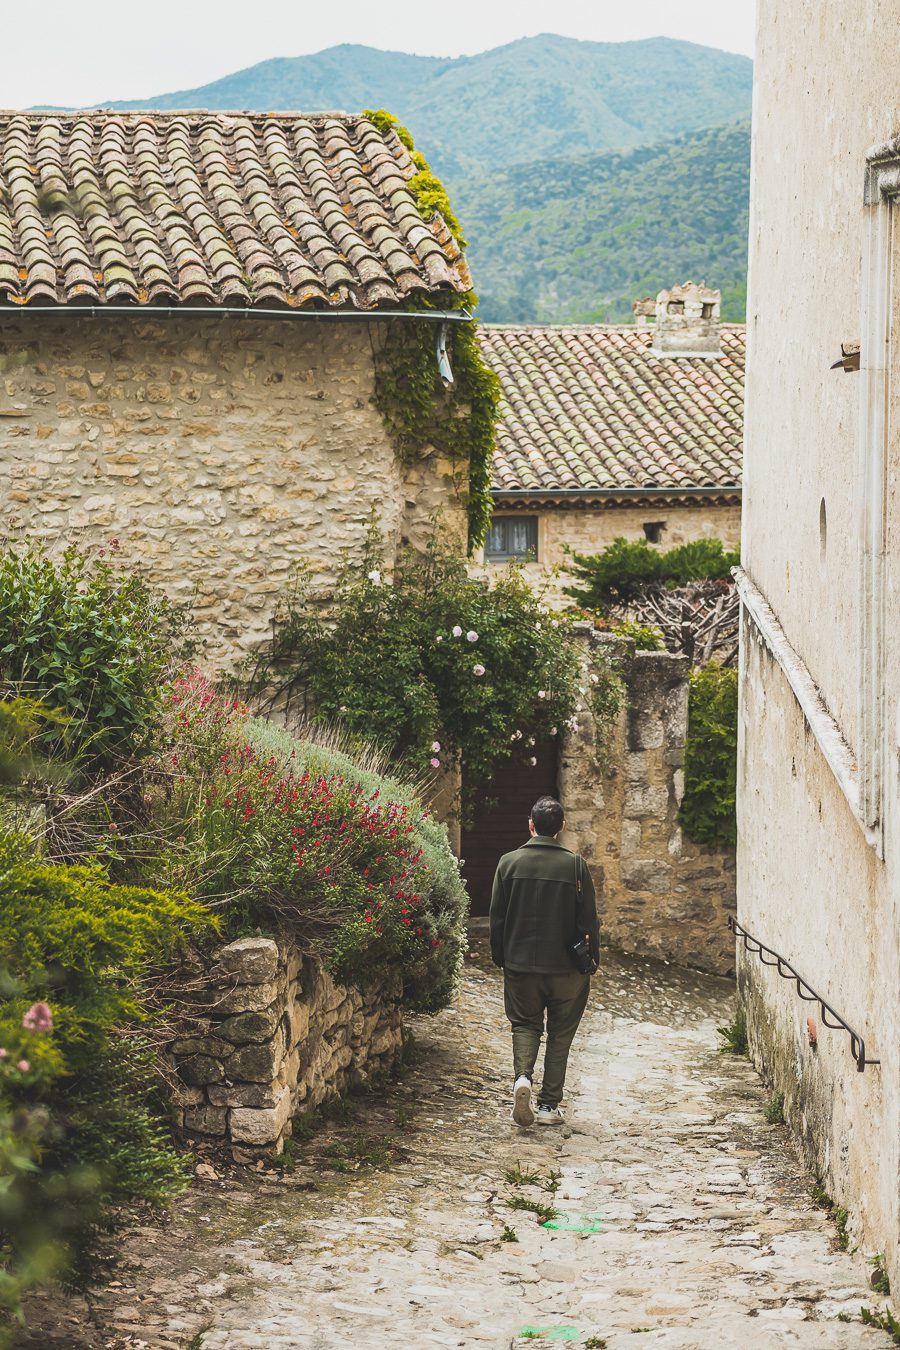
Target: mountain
577	239
532	99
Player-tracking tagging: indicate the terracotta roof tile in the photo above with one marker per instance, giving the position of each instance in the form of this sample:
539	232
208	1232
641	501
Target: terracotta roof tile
590	407
214	209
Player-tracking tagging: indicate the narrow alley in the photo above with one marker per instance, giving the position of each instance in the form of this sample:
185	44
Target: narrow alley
415	1218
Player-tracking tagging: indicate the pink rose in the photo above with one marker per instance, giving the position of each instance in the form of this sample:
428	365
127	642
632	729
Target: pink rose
457	631
471	636
435	762
23	1066
478	670
38	1018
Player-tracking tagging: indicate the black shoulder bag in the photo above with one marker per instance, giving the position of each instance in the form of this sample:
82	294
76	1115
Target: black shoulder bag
579	948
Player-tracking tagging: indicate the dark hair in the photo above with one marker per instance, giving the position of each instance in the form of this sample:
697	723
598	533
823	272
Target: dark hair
547	815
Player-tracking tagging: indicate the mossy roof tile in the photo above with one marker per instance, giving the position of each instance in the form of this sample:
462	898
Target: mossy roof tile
309	209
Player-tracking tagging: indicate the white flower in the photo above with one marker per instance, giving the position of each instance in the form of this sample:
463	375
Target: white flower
553	731
471	636
478	670
374	576
438	638
530	740
457	631
517	736
538	626
554	623
542	693
435	747
595	679
532	761
543	609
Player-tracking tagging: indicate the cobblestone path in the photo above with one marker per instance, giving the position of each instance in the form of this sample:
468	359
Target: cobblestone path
681	1214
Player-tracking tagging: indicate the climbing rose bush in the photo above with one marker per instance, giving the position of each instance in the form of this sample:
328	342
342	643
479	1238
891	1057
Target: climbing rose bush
427	657
285	832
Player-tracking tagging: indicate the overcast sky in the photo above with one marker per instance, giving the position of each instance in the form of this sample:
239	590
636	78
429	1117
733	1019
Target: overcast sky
91	51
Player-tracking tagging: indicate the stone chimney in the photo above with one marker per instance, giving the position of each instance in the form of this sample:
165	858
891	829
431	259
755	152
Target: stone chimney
644	310
687	321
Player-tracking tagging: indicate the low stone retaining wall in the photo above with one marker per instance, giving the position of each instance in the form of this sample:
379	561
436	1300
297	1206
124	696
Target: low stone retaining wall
276	1035
663	895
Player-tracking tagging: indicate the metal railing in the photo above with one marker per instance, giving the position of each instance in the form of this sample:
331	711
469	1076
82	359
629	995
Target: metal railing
804	991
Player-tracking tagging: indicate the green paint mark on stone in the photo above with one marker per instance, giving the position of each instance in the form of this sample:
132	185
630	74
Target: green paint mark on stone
575	1223
561	1332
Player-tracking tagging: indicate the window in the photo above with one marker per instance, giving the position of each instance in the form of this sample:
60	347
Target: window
512	537
653	530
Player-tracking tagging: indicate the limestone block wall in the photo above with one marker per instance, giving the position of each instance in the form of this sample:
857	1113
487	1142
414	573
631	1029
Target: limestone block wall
276	1035
664	896
219	453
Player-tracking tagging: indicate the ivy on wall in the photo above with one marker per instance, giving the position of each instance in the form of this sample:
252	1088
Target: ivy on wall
710	760
417	409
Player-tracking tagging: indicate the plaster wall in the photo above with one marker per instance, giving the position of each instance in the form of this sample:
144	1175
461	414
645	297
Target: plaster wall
810	883
811	888
826	89
590	531
220	453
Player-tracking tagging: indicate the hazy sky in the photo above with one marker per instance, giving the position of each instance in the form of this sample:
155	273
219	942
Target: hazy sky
96	50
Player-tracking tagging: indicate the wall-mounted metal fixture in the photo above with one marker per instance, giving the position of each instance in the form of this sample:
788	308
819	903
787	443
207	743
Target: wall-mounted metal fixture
804	991
849	357
443	360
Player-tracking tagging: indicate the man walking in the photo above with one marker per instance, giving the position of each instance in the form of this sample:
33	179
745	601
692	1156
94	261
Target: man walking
542	902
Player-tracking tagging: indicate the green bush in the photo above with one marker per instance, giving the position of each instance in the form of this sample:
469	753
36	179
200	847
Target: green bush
430	665
80	1122
279	832
90	641
710	762
621	572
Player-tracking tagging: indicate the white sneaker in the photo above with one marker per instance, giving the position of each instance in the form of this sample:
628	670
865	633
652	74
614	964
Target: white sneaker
522	1112
550	1115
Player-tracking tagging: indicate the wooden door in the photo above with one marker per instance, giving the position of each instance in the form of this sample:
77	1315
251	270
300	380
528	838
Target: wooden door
500	813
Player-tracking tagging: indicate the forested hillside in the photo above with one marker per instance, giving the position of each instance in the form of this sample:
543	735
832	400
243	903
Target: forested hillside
578	239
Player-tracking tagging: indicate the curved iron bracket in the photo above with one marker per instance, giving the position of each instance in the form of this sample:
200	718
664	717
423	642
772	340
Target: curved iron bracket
804	991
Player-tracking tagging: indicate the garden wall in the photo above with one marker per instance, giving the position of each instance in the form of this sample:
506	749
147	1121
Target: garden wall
275	1034
663	896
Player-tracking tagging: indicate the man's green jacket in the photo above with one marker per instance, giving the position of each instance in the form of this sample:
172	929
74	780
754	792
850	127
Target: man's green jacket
535	912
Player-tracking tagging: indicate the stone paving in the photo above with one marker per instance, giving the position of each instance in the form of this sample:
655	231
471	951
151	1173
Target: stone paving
680	1214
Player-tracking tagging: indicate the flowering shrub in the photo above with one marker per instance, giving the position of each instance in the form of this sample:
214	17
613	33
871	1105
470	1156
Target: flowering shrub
80	1130
284	831
428	657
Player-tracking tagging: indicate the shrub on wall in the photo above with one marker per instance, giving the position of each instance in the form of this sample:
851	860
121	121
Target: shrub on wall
429	664
710	763
621	572
276	831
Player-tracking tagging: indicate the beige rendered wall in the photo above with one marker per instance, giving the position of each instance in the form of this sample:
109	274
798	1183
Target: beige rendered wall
589	531
220	453
810	885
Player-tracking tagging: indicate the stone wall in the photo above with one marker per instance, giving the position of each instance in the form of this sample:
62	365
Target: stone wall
218	452
664	896
591	530
275	1035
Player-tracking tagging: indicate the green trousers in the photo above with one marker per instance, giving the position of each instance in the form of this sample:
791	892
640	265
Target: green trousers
527	997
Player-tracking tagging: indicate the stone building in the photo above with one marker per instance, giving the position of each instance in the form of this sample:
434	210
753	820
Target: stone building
194	310
632	430
819	757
